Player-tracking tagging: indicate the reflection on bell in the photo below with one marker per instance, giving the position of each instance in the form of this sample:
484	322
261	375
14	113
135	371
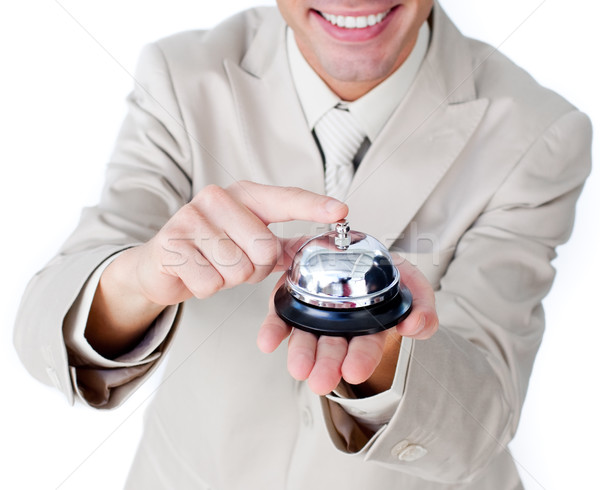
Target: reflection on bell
342	283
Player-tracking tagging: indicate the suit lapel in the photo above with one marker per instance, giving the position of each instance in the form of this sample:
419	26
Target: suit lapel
280	146
408	159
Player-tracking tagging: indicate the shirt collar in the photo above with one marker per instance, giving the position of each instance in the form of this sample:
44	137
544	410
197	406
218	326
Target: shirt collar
374	108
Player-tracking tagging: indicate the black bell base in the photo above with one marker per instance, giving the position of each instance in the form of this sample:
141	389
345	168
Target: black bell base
347	322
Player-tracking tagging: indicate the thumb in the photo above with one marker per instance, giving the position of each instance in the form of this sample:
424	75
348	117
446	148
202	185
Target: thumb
273	330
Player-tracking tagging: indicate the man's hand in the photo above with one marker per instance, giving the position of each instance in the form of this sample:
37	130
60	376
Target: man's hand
221	239
218	240
368	359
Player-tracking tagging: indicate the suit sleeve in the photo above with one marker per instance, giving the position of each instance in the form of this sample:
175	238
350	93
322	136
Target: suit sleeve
466	385
148	179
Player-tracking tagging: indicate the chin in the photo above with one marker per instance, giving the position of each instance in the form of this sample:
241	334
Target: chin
359	70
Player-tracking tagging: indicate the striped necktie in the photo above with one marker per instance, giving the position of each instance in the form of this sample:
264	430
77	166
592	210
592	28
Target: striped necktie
340	137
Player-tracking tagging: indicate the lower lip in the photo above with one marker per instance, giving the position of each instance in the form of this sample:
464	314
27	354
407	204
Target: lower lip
355	35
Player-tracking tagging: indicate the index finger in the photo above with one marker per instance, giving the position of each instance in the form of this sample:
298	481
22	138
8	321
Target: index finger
273	204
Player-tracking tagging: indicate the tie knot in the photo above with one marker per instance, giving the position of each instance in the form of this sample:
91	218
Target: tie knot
338	125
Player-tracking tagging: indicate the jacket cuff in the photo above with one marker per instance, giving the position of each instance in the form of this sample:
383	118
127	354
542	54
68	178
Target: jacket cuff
98	381
375	411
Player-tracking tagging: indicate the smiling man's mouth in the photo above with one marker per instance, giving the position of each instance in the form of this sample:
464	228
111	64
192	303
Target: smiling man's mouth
355	22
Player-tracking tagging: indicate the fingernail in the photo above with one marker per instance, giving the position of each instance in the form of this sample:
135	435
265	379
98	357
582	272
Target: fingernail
333	205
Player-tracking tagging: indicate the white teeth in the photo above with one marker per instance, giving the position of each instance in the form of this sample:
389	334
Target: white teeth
350	22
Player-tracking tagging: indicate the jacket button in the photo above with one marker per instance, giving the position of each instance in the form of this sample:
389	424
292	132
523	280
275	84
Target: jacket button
407	452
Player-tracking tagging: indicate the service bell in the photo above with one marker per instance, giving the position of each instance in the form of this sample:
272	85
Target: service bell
343	283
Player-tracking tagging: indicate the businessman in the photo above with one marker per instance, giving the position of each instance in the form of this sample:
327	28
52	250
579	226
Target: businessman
468	171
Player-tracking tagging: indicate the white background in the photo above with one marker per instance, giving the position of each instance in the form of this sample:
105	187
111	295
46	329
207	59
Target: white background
65	73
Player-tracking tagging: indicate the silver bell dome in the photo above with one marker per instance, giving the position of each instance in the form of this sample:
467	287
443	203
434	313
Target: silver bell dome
342	269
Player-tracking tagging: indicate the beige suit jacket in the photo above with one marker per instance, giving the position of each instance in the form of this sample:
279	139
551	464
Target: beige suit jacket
474	179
